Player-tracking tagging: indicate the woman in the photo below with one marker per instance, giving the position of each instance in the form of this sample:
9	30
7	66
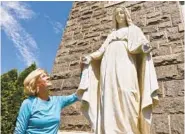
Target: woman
40	113
119	81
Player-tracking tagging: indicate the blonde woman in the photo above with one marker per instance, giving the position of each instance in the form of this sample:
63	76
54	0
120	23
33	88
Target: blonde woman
40	113
119	81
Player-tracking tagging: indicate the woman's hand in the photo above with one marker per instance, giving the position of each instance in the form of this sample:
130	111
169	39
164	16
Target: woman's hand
85	60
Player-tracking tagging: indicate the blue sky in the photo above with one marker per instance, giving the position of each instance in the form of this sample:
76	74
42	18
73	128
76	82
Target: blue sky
31	31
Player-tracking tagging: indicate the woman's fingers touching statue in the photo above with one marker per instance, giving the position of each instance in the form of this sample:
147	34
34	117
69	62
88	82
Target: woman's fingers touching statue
86	59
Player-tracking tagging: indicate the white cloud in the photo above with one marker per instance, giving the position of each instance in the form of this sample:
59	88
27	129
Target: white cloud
11	14
57	26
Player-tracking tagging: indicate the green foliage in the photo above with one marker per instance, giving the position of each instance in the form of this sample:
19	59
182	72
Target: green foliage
11	97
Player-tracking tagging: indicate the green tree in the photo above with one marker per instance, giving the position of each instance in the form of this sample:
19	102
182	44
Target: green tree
8	88
12	95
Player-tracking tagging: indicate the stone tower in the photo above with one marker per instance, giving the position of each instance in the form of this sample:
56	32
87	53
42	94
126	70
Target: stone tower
86	29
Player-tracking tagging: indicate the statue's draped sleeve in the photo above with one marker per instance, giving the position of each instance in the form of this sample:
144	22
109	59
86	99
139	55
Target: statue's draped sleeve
146	75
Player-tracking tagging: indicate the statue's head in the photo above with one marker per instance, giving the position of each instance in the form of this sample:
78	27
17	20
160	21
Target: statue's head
121	14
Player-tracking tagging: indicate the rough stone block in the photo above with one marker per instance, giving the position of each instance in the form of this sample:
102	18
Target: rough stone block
174	88
160	3
169	59
176	36
74	15
155	52
71	83
73	109
75	123
150	29
177	124
106	20
172	8
79	4
60	67
160	91
61	75
158	19
145	11
80	50
158	36
85	17
178	49
98	13
74	65
87	12
180	68
163	72
181	27
153	14
82	43
78	36
130	3
67	58
170	106
176	20
70	44
172	30
91	35
136	7
96	6
76	72
177	46
140	21
155	46
160	124
165	25
56	84
164	49
62	52
148	4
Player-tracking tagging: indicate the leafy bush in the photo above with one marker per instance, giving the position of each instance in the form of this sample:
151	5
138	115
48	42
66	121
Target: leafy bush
12	96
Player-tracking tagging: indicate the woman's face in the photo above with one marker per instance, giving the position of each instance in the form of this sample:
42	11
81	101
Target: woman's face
44	80
120	15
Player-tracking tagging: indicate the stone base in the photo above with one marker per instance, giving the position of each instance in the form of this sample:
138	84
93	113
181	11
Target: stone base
73	132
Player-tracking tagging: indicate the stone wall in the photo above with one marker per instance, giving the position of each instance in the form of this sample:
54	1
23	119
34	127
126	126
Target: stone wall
87	28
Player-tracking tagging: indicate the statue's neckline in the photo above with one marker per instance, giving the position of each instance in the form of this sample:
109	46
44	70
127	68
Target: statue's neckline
123	28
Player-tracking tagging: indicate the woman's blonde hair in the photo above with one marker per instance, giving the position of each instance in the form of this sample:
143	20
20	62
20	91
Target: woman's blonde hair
30	87
127	14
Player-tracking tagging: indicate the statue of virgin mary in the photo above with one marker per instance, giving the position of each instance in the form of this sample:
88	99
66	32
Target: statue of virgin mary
118	81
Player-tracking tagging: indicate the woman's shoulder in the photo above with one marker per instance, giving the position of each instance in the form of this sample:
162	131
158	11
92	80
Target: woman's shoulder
27	104
29	100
